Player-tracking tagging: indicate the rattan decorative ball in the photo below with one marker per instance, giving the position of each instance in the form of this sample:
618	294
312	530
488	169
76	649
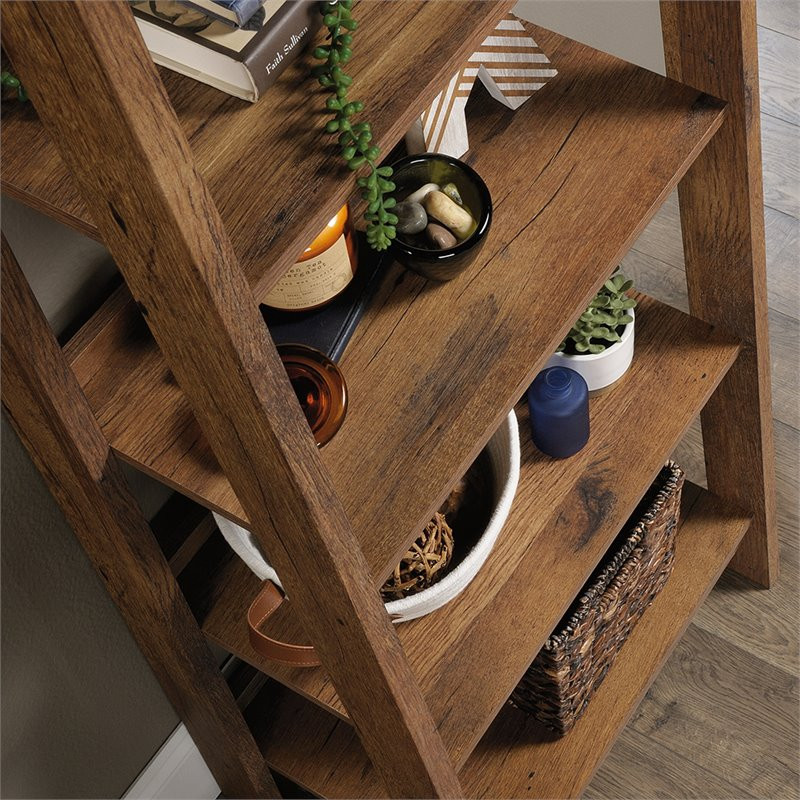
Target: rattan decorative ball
424	563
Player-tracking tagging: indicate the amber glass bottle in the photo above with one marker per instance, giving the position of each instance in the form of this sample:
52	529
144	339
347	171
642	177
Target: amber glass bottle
323	270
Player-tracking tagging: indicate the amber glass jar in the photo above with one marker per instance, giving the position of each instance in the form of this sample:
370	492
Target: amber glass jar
319	386
323	270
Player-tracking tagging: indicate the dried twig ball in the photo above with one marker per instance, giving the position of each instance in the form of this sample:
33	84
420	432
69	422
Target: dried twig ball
424	563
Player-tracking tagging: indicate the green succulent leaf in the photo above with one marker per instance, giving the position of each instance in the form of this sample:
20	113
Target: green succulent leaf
601	323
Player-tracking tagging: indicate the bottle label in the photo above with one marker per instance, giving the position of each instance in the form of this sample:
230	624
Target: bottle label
310	283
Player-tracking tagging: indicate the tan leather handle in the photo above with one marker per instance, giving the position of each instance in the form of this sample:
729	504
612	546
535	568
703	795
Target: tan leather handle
264	606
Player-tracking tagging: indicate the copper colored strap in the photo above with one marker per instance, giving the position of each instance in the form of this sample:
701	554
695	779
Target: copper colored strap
266	603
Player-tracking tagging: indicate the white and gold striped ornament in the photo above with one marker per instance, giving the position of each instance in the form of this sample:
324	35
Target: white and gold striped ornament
511	67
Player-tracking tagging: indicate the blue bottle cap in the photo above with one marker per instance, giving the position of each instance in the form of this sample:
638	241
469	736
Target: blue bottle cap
558	381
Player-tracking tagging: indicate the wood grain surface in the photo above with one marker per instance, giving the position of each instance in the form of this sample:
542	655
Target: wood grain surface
273	214
97	92
636	766
433	369
779	73
661	242
781	165
765	624
713	45
780	15
47	409
706	665
668	283
564	516
755	633
516	757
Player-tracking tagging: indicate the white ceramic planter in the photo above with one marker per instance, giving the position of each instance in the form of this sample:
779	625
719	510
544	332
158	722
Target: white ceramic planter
601	369
504	454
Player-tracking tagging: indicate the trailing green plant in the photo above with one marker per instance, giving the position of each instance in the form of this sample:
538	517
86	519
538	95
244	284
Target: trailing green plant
355	138
8	78
597	328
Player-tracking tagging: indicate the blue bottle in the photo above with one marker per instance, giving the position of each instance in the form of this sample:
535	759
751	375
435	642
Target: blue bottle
558	400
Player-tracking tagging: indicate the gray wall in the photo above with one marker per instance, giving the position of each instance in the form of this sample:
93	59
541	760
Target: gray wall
81	712
630	29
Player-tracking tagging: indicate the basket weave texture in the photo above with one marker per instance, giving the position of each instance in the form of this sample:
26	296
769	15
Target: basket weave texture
424	563
576	658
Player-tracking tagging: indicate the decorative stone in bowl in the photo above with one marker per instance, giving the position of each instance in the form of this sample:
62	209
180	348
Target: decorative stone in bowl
445	212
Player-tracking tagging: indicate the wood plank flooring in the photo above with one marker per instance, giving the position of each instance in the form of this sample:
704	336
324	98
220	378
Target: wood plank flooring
721	720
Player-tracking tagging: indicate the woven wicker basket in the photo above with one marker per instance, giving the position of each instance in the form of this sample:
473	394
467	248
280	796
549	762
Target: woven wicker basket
575	659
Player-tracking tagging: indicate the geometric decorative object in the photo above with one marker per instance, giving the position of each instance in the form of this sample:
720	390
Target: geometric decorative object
510	65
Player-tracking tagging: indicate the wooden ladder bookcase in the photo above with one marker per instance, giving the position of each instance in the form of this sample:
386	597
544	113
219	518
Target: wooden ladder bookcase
203	203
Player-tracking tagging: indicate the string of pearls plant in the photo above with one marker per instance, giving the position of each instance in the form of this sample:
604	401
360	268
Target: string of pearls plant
355	138
10	80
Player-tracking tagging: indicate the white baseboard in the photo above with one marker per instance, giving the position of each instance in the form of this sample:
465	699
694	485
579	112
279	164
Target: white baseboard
176	772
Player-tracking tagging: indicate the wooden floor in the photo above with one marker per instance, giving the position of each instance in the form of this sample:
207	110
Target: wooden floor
721	720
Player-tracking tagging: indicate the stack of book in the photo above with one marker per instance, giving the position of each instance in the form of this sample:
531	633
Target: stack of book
237	46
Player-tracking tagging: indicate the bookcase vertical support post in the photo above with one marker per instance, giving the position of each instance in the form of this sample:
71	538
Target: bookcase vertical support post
713	47
96	90
53	419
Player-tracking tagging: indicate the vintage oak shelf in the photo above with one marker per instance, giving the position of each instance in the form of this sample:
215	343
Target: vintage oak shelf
430	386
203	211
564	517
271	215
517	757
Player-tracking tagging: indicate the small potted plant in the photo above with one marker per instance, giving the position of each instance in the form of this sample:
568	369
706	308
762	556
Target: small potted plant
600	344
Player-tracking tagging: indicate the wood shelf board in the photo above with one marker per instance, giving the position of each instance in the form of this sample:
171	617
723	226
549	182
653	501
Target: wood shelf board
517	757
272	214
433	368
565	515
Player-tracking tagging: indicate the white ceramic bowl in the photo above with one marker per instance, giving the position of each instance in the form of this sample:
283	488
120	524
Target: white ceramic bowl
504	455
601	369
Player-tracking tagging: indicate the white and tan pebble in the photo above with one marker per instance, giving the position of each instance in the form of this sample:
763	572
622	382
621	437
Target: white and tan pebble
458	219
422	192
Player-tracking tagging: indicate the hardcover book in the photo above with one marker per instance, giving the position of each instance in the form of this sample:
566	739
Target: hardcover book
328	329
241	62
234	12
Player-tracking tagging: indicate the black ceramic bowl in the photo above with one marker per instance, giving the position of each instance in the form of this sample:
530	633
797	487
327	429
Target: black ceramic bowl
410	174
